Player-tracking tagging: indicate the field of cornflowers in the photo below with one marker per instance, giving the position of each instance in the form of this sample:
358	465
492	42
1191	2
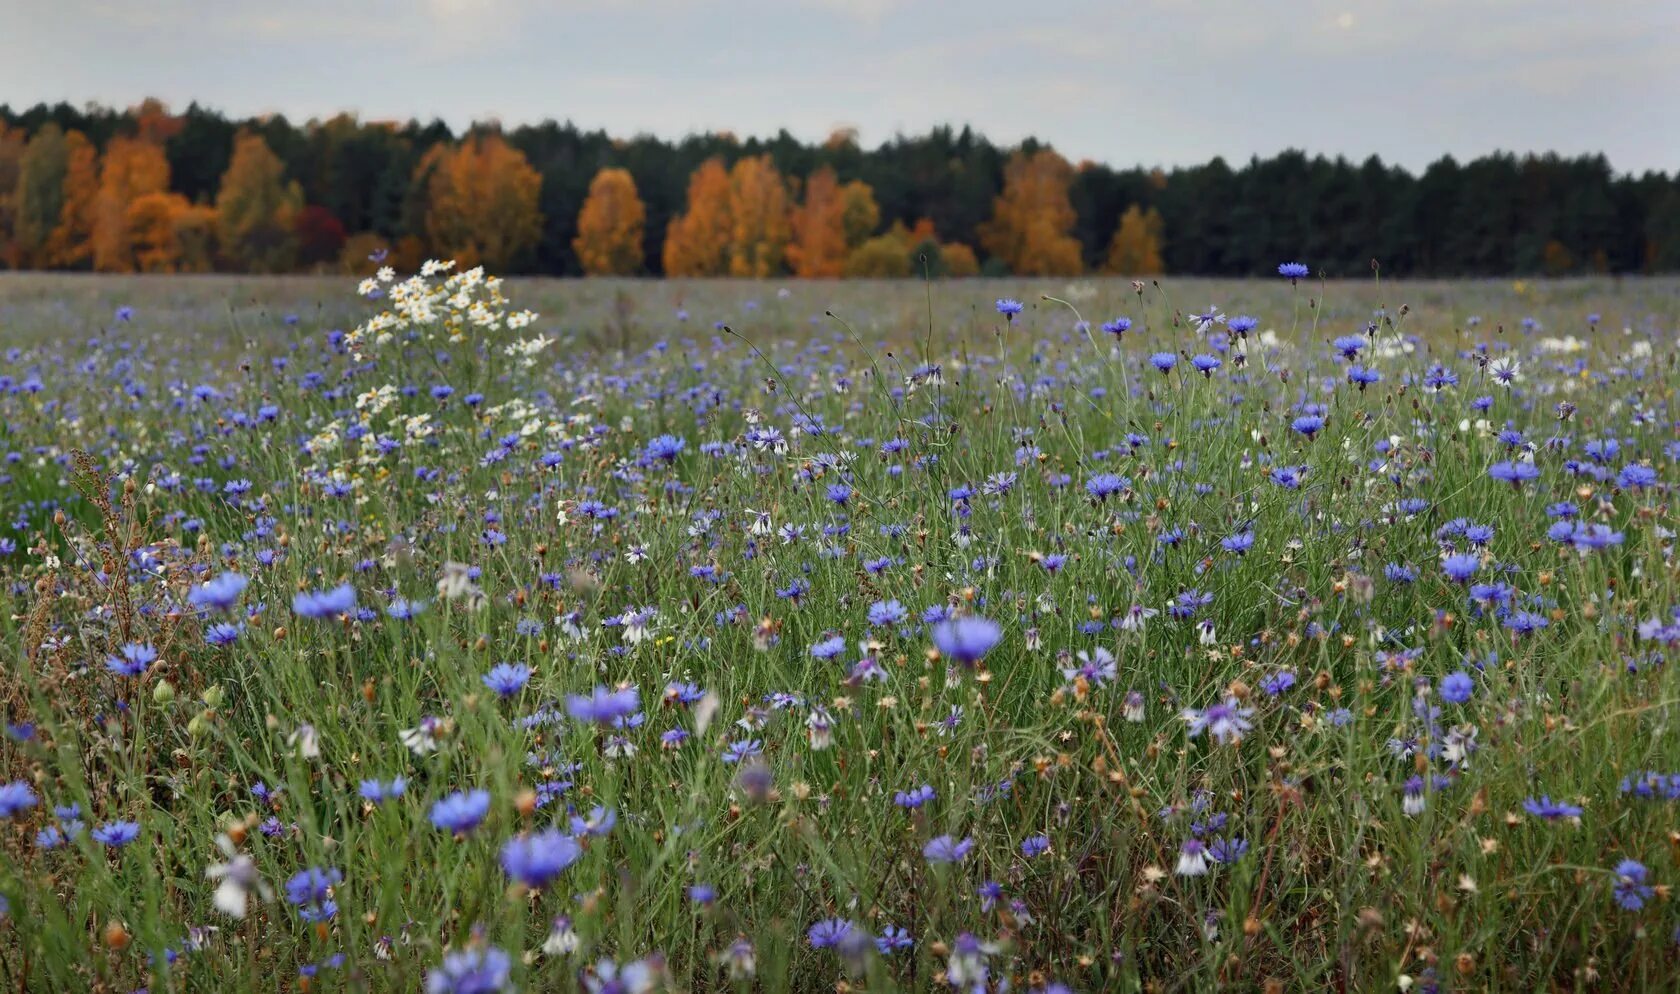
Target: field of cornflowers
974	636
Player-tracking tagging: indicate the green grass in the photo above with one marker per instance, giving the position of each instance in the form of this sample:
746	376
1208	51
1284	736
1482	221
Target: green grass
1339	886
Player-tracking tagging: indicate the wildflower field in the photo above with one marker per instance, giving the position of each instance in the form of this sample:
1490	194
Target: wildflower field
974	635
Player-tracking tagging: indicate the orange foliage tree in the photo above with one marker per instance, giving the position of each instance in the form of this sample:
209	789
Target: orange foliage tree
132	169
609	238
758	216
13	142
697	240
819	245
1136	247
1033	217
71	241
481	202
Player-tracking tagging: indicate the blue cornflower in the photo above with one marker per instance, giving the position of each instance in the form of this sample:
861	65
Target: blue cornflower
461	811
887	613
1009	307
1515	473
16	797
1631	891
1035	845
326	604
666	447
1205	364
375	792
1457	687
966	639
914	798
603	706
1105	485
1163	361
535	859
131	660
1634	476
116	833
1461	567
829	932
1547	809
1117	327
1308	425
403	609
507	679
829	647
946	849
218	594
471	971
892	939
744	749
1293	271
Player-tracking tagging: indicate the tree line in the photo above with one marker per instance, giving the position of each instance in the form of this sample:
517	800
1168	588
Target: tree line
146	189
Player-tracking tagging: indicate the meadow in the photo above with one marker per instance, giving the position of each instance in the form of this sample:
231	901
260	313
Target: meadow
1265	635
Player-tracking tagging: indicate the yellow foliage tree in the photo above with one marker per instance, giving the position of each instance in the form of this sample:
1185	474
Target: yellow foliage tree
150	222
256	207
959	259
609	238
131	170
481	202
758	217
71	242
40	193
1032	218
697	241
1136	247
859	214
818	248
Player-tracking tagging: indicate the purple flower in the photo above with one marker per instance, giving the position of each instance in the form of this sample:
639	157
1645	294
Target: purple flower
131	660
945	849
218	594
325	604
1293	271
116	833
471	971
535	859
1035	845
603	706
1631	891
966	639
1009	307
829	932
1226	722
1547	809
461	811
507	679
1457	687
16	797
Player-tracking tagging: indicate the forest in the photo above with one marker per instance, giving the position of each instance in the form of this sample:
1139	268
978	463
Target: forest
148	189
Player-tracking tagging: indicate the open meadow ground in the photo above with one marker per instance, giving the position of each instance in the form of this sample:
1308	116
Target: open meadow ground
685	636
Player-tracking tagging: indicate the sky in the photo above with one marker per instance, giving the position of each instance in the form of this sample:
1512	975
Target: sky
1151	82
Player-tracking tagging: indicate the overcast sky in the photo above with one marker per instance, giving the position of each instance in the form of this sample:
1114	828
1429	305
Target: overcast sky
1152	82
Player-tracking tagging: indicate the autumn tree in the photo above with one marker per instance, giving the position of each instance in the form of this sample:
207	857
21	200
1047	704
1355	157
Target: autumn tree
481	202
609	238
1136	248
320	236
818	248
758	216
13	142
1033	217
256	208
40	193
859	214
131	169
71	242
697	240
